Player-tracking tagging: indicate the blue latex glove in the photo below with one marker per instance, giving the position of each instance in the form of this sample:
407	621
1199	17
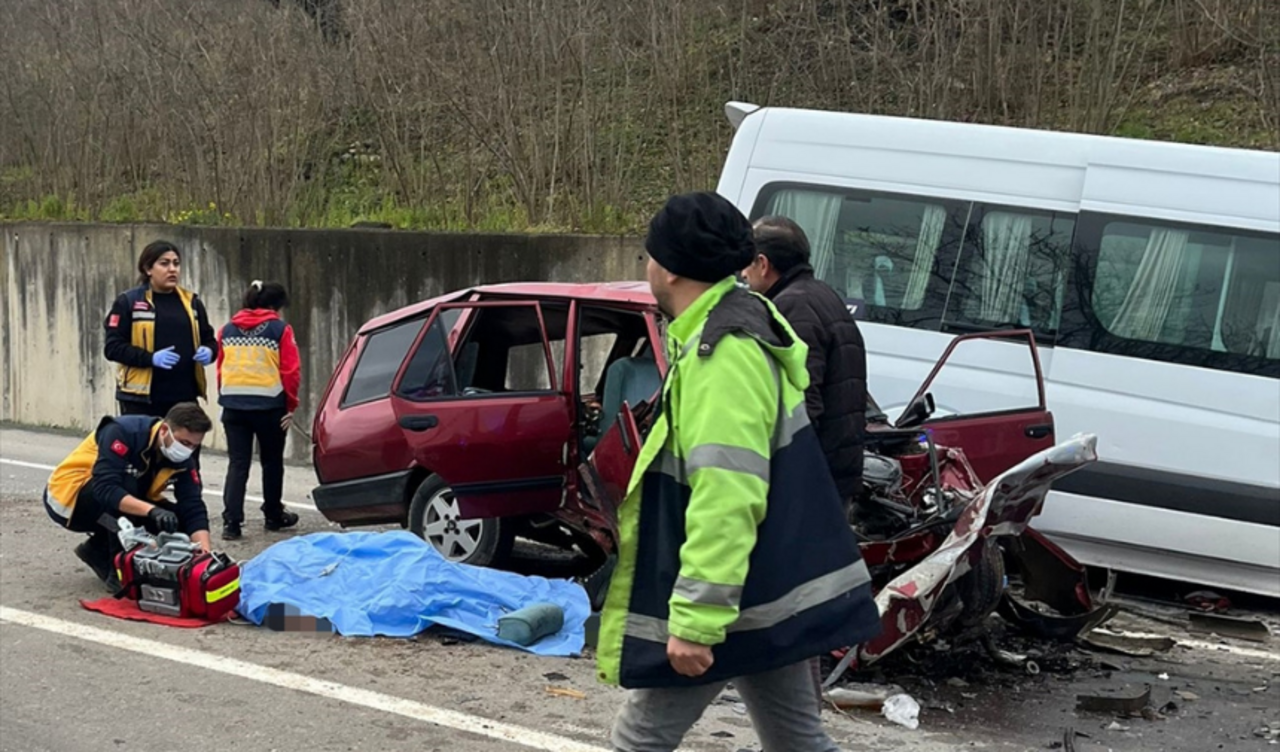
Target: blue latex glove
203	355
165	358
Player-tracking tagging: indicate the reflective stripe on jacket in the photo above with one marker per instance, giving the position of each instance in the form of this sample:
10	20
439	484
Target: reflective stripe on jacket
249	366
732	533
136	447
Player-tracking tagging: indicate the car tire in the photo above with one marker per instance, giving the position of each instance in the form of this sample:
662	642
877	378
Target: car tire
983	586
433	516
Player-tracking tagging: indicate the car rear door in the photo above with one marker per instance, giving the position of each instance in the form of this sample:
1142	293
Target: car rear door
480	405
997	440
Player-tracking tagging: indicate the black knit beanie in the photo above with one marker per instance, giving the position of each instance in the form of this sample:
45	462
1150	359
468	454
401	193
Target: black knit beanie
700	236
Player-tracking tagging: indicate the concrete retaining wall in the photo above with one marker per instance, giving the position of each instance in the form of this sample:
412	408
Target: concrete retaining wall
60	280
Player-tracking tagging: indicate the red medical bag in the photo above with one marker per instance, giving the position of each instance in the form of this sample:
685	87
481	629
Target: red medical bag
175	578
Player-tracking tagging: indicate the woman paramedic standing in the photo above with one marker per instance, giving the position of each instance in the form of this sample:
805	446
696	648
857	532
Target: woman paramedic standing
258	378
160	336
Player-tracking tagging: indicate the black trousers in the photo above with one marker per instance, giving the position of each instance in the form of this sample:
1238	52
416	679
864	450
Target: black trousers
154	409
242	427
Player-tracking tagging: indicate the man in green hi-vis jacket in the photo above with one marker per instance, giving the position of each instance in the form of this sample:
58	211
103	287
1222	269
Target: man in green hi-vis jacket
735	561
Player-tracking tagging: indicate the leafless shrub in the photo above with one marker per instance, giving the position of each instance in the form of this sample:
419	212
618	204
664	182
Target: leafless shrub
568	113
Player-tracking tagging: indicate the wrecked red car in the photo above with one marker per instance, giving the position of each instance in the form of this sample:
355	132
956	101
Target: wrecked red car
943	518
518	410
465	418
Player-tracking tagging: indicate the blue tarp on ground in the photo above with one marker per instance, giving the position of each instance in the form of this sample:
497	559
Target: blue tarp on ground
396	585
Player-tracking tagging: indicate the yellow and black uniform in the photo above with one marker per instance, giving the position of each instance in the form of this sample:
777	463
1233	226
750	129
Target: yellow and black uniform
122	458
142	322
258	376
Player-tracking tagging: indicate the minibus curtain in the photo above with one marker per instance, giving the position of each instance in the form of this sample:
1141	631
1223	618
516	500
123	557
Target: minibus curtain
931	224
1273	344
1006	250
1154	291
1267	333
1248	319
818	214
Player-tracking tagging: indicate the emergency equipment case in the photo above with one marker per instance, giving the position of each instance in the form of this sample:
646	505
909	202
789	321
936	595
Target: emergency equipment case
175	577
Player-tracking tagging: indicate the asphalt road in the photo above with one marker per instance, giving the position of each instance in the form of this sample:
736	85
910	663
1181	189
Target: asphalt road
76	681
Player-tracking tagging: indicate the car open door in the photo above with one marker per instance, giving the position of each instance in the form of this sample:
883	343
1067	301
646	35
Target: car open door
993	440
480	406
608	471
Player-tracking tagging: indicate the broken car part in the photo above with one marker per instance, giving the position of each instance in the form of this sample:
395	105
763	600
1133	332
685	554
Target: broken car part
1055	601
928	596
1207	600
1229	626
1115	704
1008	659
1136	647
861	696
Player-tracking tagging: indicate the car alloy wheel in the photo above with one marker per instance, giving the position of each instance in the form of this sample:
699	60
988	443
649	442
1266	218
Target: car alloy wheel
435	516
455	538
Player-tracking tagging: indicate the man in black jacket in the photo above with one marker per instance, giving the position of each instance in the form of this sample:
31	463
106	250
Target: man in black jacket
837	395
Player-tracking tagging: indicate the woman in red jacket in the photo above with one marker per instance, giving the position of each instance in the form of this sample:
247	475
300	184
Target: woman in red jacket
258	377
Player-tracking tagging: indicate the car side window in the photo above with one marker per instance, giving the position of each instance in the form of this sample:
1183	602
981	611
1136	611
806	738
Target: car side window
527	369
606	335
429	374
593	355
504	351
379	362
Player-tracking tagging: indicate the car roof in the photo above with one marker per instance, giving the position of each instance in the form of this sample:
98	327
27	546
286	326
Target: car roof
626	293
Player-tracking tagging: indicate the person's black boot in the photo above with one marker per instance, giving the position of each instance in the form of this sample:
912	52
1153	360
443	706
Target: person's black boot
95	551
286	519
231	531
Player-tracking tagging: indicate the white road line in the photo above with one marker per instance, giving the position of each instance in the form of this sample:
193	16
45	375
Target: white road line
31	465
471	724
214	492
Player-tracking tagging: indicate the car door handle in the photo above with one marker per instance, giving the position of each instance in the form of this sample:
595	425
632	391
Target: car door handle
1039	431
419	422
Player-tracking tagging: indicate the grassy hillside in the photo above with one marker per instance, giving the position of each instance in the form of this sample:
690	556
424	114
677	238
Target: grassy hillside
522	115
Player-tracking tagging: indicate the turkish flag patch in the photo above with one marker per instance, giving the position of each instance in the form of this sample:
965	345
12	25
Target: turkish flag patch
119	448
195	476
114	321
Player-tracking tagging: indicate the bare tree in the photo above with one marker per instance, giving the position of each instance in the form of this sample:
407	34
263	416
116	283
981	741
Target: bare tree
512	114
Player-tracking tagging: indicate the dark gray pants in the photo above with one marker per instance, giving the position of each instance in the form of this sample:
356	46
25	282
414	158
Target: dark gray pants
780	703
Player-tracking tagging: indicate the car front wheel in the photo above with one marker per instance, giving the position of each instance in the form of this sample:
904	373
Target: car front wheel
435	517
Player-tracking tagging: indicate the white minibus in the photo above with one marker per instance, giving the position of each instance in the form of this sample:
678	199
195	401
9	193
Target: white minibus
1148	271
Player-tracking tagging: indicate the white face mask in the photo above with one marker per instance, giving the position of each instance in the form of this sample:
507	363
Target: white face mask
177	452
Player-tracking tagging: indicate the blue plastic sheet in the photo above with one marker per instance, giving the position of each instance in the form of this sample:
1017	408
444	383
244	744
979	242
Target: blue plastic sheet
396	585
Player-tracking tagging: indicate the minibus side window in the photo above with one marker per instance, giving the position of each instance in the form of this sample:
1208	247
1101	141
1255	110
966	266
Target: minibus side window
1012	271
888	255
1193	294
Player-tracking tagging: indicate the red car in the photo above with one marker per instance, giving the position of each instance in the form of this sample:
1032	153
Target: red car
465	417
469	418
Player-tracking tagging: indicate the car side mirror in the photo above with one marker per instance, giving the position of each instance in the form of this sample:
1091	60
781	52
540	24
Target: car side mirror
917	412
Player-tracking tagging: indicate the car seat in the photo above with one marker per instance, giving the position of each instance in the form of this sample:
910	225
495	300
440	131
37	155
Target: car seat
631	380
